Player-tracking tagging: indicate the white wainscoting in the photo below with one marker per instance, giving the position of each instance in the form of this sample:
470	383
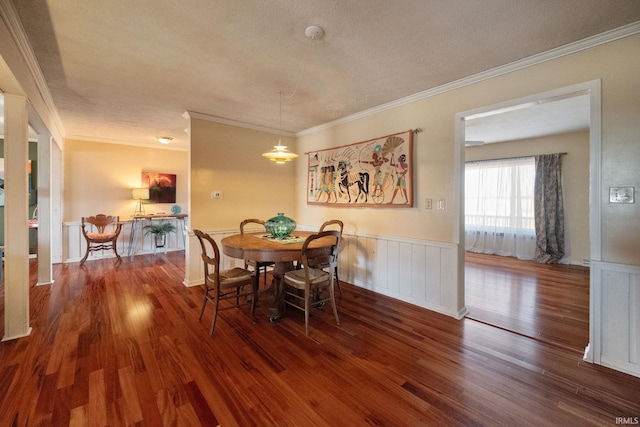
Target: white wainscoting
419	272
74	244
615	316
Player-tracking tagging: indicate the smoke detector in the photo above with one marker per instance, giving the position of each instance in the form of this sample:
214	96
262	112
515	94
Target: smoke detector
314	32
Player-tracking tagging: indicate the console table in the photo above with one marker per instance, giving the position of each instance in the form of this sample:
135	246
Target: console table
137	224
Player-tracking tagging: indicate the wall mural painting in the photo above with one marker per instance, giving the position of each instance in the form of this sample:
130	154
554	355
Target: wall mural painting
162	187
376	173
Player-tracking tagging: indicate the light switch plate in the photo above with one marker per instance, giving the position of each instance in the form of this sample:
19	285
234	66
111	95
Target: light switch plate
621	194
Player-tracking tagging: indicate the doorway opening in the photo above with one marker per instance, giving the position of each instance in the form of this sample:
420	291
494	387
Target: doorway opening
523	127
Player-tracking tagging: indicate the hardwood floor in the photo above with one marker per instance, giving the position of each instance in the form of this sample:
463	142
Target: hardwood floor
121	345
545	302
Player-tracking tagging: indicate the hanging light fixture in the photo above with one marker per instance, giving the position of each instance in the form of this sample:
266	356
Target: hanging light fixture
280	154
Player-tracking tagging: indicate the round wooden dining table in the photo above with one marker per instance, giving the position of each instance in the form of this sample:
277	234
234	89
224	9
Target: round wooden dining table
255	247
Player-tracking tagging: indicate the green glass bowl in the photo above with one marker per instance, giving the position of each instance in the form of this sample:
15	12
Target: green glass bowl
280	226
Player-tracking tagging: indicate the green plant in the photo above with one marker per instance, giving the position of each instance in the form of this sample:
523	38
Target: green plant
159	229
159	232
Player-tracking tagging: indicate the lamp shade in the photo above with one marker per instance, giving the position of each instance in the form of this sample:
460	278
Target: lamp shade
140	193
280	154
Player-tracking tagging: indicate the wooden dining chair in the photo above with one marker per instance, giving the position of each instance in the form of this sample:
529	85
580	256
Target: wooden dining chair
220	285
338	225
256	266
101	233
312	280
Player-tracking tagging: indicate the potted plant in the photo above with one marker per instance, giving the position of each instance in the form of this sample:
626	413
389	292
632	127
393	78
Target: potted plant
159	232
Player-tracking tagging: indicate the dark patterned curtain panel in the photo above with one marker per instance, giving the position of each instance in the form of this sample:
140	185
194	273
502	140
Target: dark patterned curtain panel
549	209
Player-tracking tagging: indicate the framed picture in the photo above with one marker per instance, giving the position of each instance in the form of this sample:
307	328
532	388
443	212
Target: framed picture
162	187
375	173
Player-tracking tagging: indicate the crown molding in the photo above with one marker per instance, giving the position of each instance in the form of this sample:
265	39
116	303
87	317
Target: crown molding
580	45
174	146
216	119
9	15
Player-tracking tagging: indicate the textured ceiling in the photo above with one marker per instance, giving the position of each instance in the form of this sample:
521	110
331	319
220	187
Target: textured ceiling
126	71
530	120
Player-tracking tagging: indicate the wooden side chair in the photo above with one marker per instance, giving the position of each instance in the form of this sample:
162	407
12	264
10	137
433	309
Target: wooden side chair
101	233
313	280
337	225
226	284
256	266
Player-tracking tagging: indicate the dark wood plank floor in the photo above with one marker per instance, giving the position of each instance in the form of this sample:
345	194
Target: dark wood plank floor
545	302
121	345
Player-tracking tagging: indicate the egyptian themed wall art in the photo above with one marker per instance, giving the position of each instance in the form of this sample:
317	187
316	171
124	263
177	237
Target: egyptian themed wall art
375	173
162	187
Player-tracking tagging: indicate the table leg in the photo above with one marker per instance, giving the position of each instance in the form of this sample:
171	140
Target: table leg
277	304
132	237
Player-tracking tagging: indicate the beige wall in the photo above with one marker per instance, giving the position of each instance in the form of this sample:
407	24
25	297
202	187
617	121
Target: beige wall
575	175
617	64
228	159
98	178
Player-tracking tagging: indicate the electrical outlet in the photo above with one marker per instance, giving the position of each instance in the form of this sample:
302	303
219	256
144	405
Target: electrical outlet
621	194
216	194
428	204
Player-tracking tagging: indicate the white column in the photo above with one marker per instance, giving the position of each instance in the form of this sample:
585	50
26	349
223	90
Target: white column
45	271
56	203
193	272
16	217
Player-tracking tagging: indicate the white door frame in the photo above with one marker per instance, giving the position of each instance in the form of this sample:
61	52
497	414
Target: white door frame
593	89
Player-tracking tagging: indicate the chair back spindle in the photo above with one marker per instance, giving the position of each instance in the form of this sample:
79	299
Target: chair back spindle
101	233
221	285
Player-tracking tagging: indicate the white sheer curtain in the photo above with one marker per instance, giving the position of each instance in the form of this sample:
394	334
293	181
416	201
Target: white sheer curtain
499	211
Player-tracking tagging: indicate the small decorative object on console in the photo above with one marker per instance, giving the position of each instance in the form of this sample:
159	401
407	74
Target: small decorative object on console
176	209
280	226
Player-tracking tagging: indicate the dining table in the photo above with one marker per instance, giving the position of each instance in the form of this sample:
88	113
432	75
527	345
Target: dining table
282	252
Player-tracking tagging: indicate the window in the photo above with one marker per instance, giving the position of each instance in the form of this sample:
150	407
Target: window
499	212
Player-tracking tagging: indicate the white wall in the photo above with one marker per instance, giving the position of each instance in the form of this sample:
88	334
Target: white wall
131	241
616	311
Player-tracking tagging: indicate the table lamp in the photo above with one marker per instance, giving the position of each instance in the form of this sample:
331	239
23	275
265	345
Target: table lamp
139	194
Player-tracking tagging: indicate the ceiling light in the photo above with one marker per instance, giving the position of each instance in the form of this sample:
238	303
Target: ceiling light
501	110
473	143
280	154
164	139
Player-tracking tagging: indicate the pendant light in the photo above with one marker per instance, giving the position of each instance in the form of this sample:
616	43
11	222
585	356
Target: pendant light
280	154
